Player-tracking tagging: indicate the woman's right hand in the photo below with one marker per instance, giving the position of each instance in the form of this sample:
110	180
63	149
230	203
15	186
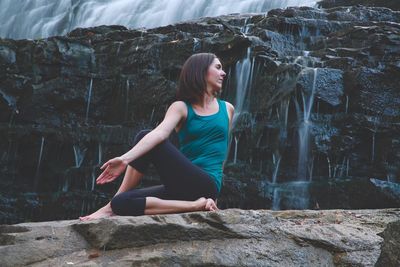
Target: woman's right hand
111	170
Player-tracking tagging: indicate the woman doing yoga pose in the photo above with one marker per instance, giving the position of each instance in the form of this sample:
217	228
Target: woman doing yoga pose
191	176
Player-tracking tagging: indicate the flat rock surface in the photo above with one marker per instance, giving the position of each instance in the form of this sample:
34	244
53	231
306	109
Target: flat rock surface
231	237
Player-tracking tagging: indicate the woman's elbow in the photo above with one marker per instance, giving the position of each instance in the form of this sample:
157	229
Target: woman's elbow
160	135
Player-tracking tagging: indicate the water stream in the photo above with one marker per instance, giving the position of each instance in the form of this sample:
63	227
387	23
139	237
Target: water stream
305	162
39	162
43	18
88	98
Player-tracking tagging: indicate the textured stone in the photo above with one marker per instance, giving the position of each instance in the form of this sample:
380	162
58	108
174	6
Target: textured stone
390	246
226	238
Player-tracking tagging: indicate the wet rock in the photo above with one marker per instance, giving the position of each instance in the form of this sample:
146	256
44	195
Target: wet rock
326	83
393	4
391	245
225	238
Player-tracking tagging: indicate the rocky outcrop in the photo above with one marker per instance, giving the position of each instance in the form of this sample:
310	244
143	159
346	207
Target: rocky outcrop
392	4
318	125
391	246
225	238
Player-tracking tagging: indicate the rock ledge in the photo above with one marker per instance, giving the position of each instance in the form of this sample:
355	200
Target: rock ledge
230	237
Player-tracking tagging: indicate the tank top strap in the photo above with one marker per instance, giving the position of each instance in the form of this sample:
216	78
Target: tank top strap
190	111
222	108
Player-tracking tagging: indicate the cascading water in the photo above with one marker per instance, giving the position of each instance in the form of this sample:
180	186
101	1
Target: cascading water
127	99
43	18
295	192
39	162
305	162
79	153
243	73
100	154
89	96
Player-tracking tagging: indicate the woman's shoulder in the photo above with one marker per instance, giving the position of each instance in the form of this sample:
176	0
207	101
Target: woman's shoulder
179	106
229	105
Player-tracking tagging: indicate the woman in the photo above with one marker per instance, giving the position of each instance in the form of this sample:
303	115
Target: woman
191	176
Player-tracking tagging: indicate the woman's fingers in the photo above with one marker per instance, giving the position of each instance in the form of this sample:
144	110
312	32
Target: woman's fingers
110	173
104	177
104	165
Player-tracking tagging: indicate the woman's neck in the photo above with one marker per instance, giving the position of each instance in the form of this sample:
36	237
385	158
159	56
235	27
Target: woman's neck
207	101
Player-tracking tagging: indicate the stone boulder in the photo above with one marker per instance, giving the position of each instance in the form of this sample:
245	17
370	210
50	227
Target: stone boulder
225	238
391	246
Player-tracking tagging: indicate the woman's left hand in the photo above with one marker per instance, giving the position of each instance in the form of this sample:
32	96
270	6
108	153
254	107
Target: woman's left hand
111	170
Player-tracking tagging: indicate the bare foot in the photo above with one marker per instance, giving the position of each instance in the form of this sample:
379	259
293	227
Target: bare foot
205	204
200	204
210	205
105	211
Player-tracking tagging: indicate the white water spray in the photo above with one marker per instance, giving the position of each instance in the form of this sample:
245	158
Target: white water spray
43	18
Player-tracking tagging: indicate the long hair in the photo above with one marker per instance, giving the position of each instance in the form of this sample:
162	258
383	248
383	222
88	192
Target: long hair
192	81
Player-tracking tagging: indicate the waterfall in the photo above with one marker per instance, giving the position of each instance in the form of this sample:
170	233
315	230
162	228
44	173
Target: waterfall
275	199
65	186
374	130
99	159
89	96
196	44
39	162
40	157
304	162
373	146
79	154
93	180
127	100
276	160
282	114
236	148
43	18
243	74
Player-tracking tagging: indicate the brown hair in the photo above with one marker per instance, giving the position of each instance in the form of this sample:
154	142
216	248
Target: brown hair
192	80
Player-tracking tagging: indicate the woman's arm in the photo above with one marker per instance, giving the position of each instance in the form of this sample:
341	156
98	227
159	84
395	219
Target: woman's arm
114	167
175	113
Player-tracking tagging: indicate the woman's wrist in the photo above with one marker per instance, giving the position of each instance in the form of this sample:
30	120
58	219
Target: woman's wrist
124	159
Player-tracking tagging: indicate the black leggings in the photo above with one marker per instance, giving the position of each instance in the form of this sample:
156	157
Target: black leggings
181	179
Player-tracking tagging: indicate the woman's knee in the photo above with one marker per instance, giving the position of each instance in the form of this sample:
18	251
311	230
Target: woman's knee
117	205
124	205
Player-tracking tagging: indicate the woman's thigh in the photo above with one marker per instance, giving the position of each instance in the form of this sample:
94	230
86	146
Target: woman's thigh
180	176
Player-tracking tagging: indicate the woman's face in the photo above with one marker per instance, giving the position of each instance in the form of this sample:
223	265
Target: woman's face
215	77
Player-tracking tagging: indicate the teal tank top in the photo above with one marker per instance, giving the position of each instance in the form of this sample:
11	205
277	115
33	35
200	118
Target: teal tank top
204	140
